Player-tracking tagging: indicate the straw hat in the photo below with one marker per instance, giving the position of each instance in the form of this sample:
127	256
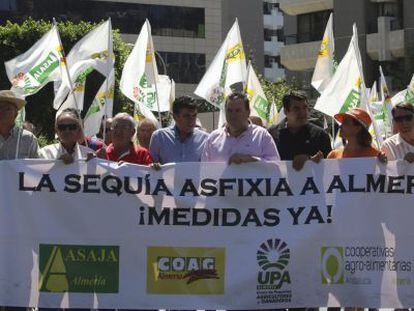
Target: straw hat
357	114
7	96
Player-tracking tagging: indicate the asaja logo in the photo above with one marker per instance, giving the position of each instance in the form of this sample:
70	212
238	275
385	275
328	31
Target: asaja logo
273	257
332	259
185	270
78	268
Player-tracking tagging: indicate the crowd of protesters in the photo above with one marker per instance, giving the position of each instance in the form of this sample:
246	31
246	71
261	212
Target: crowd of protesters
242	139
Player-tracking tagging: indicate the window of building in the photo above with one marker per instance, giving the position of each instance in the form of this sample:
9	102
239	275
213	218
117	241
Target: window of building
391	9
311	26
183	67
7	5
175	21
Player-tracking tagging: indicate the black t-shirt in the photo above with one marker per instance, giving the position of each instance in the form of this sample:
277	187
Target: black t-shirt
308	140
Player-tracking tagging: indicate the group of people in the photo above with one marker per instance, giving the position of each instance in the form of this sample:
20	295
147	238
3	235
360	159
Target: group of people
238	141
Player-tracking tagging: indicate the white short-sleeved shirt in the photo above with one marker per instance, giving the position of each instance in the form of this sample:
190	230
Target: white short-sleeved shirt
395	147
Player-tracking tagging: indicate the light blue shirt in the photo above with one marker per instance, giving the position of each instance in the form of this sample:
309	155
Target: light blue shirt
166	146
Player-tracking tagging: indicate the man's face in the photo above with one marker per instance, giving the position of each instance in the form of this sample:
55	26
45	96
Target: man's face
145	131
186	120
236	113
298	113
8	113
68	129
122	132
403	122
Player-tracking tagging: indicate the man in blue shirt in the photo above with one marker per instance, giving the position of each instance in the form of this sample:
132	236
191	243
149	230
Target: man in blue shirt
182	142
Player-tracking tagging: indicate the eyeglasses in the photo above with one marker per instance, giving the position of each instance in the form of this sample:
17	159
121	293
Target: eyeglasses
70	127
407	118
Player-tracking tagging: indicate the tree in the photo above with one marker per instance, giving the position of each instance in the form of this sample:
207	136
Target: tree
15	39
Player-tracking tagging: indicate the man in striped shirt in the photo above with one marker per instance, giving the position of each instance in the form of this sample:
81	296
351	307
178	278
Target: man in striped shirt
401	145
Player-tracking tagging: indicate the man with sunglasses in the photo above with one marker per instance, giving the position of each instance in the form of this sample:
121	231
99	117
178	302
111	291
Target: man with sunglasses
68	130
401	145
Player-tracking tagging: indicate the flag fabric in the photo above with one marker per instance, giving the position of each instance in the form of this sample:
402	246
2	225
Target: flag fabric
325	65
273	115
400	97
102	105
386	104
140	75
32	70
165	93
259	105
374	109
409	95
227	70
93	52
346	86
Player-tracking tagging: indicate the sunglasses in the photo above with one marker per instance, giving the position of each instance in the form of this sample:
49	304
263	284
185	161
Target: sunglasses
70	127
407	118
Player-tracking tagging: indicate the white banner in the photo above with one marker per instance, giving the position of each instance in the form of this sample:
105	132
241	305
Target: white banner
206	236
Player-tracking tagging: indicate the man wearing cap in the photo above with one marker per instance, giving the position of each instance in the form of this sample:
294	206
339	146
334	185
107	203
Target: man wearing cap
239	141
401	145
15	143
296	138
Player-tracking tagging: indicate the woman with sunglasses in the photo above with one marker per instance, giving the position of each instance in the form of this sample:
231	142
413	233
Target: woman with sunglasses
401	145
68	131
354	130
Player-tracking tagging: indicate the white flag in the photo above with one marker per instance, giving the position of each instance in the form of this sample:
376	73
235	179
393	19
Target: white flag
273	115
227	69
409	95
259	105
32	70
386	105
343	91
324	69
93	52
165	90
140	74
101	105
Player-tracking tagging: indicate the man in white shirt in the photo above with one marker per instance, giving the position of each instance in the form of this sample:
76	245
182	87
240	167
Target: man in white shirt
68	130
401	145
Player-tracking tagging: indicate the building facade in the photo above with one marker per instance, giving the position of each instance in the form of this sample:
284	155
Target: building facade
385	37
187	33
273	40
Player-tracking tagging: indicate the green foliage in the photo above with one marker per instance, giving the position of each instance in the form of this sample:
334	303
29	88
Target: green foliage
15	39
274	91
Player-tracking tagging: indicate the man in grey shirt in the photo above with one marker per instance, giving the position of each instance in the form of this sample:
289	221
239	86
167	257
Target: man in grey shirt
182	142
15	143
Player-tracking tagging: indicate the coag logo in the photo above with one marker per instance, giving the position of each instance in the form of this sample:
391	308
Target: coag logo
273	257
185	270
332	259
78	268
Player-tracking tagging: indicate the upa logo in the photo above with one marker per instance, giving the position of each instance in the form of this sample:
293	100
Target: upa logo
78	268
185	270
273	257
332	260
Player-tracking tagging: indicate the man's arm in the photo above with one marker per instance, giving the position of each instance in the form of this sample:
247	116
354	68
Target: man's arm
155	147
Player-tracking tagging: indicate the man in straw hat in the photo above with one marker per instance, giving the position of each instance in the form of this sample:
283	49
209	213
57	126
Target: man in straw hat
15	143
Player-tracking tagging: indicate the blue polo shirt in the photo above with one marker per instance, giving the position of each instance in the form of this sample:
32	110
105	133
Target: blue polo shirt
166	146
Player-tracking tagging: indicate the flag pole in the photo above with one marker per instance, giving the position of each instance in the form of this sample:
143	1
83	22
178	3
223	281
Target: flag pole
154	63
106	97
63	61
